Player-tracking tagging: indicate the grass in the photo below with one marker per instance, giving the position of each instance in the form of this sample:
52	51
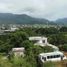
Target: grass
4	62
56	64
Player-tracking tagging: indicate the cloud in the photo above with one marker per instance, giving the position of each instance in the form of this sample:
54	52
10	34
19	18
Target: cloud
50	9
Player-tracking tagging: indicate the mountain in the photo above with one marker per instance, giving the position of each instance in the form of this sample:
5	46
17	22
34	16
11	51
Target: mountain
8	18
62	21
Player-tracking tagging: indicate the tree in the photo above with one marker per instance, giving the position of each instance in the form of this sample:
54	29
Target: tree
63	47
27	44
17	38
46	31
5	47
57	39
63	29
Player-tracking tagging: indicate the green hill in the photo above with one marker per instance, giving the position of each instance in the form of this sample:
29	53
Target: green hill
7	18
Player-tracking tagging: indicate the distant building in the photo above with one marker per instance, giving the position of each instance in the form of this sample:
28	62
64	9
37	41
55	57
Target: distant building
14	28
11	29
51	56
18	51
42	41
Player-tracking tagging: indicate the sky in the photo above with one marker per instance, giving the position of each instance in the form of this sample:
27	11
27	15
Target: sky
49	9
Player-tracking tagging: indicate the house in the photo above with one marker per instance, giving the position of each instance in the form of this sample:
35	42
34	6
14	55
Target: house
51	56
18	51
14	28
42	41
11	30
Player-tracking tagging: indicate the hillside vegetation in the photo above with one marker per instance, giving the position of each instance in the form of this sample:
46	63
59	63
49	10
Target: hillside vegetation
19	38
7	18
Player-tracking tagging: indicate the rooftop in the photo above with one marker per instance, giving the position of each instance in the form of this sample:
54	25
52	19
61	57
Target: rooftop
51	53
37	38
18	49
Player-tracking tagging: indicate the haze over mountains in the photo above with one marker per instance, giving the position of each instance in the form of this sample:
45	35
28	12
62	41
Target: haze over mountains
62	21
8	18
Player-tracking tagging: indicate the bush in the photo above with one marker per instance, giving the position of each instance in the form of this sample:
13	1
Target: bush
63	47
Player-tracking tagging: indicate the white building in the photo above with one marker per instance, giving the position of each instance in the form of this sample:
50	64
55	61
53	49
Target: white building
14	28
42	41
52	56
11	30
18	51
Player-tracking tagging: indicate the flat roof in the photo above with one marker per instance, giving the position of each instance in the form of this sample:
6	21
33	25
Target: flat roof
51	53
37	38
18	49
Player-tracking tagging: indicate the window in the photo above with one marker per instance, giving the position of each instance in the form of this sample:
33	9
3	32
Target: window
49	57
43	41
57	56
44	58
54	56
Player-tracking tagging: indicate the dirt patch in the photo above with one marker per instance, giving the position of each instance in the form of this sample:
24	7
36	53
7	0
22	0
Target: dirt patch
65	53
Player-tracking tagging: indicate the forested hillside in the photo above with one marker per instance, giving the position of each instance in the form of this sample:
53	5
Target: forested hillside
7	18
19	38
